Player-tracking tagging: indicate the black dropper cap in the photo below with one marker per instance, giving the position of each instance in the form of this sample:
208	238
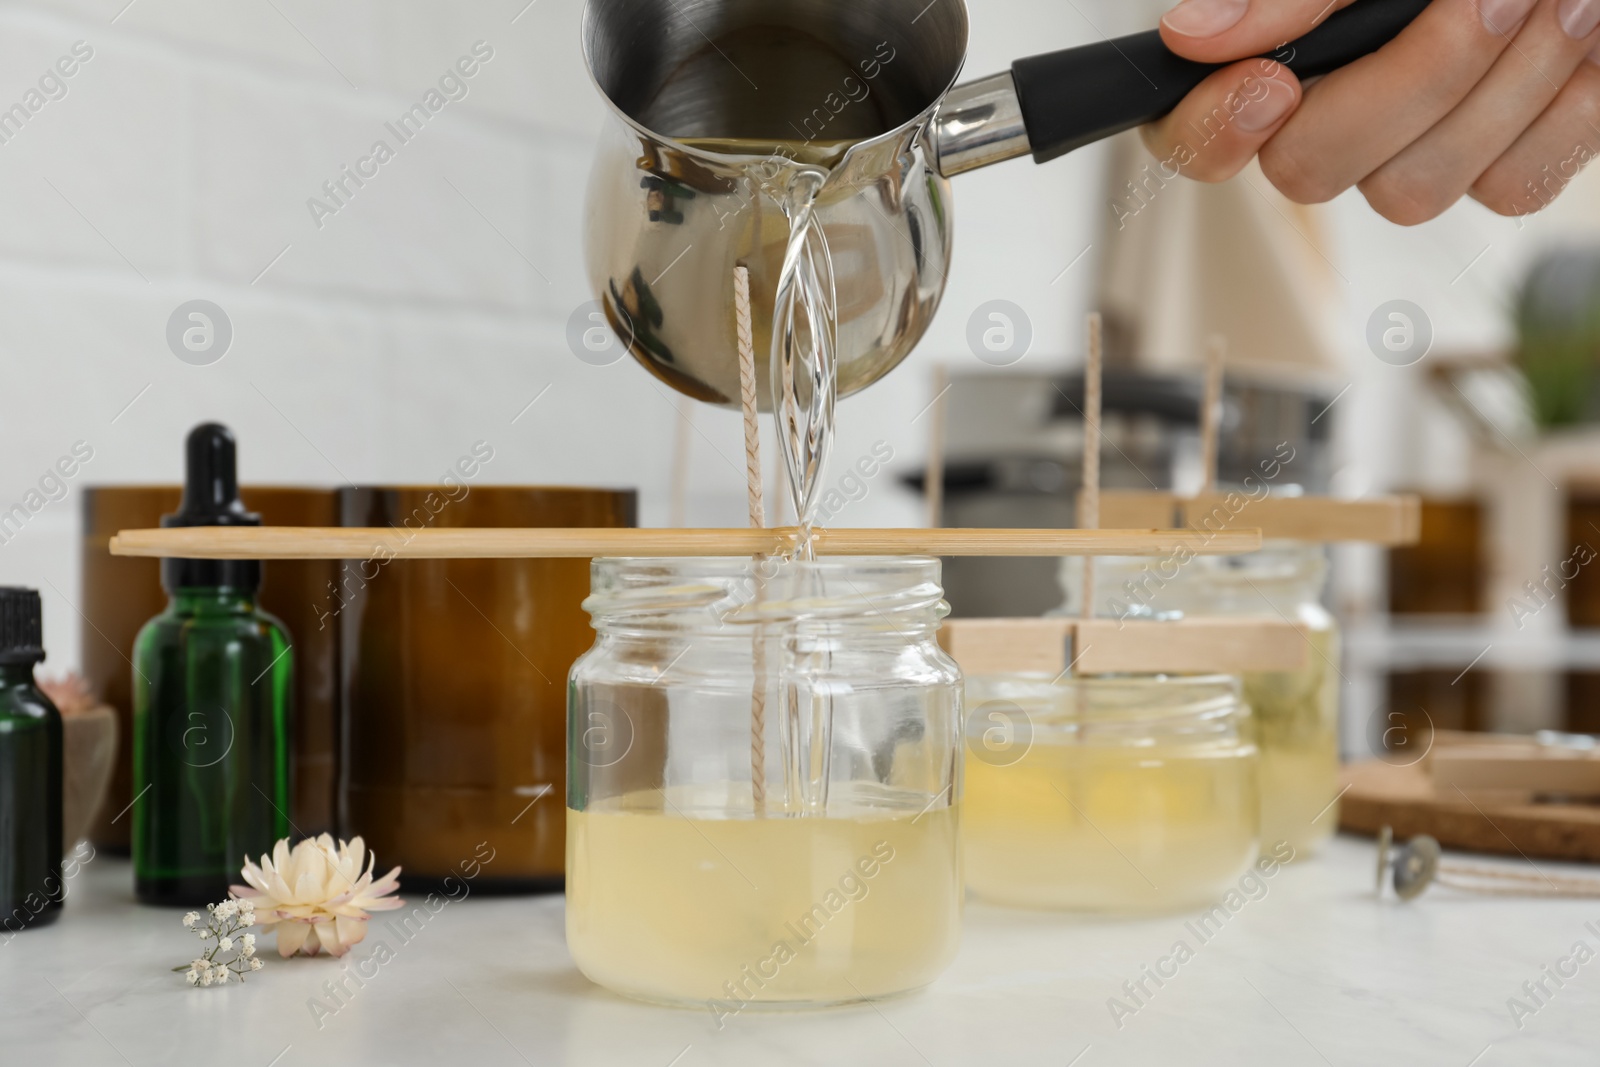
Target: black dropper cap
19	626
211	498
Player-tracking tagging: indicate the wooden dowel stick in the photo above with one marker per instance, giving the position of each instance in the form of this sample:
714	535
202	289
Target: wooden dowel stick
780	499
1211	411
678	493
752	475
350	542
1196	643
1386	520
1090	499
933	471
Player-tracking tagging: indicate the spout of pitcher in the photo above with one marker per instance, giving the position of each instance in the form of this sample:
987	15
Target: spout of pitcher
977	124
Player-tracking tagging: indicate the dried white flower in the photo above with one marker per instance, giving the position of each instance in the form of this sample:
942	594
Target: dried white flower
193	977
225	944
190	918
317	895
255	963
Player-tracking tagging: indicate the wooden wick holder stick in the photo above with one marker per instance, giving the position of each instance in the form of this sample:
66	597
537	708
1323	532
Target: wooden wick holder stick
1089	499
348	542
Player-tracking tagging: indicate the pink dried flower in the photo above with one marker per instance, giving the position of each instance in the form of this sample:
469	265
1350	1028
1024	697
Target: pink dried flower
69	692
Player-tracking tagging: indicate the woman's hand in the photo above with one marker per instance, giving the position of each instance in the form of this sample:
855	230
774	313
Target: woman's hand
1497	99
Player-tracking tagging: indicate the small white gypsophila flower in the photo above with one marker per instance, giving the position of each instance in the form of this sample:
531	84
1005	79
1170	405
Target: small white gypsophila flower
224	923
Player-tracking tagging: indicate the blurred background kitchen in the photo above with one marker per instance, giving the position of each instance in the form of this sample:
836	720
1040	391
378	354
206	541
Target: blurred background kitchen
377	337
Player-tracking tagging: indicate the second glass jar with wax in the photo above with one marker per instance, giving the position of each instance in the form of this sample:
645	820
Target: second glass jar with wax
1107	792
763	782
1296	713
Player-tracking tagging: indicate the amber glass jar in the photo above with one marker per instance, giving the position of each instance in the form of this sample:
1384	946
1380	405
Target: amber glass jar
291	590
122	593
455	685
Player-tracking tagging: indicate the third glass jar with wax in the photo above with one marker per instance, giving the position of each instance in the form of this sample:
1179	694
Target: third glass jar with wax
1296	713
763	782
1107	792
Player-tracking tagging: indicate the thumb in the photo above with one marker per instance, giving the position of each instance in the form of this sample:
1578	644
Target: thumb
1218	31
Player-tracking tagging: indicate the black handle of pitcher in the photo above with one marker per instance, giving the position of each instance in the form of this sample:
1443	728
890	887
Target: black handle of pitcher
1080	95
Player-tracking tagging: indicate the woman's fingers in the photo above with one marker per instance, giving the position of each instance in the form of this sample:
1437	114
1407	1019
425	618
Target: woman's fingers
1362	115
1439	167
1549	154
1225	120
1488	96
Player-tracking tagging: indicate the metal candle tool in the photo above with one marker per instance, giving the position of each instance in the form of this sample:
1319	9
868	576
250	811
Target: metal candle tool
1417	864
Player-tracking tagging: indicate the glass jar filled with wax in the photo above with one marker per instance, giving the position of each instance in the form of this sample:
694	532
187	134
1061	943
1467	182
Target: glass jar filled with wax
1107	792
763	779
1296	713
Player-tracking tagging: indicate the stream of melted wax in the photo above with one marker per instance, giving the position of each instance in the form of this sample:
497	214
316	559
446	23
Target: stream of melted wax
805	297
806	287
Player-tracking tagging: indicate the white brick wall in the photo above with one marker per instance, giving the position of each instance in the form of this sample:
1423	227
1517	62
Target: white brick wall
418	318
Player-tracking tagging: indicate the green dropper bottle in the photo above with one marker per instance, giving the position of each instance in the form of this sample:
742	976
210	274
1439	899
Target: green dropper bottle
30	773
211	692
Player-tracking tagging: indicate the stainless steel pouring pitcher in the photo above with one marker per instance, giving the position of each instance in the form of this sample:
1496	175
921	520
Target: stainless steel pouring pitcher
813	141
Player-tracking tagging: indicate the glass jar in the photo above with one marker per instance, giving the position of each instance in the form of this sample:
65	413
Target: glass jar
1108	792
1296	713
763	782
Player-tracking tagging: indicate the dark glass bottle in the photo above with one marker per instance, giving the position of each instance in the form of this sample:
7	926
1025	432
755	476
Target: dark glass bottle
30	773
122	593
212	680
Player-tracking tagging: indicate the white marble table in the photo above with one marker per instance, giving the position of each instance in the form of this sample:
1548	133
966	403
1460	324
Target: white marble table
1314	972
